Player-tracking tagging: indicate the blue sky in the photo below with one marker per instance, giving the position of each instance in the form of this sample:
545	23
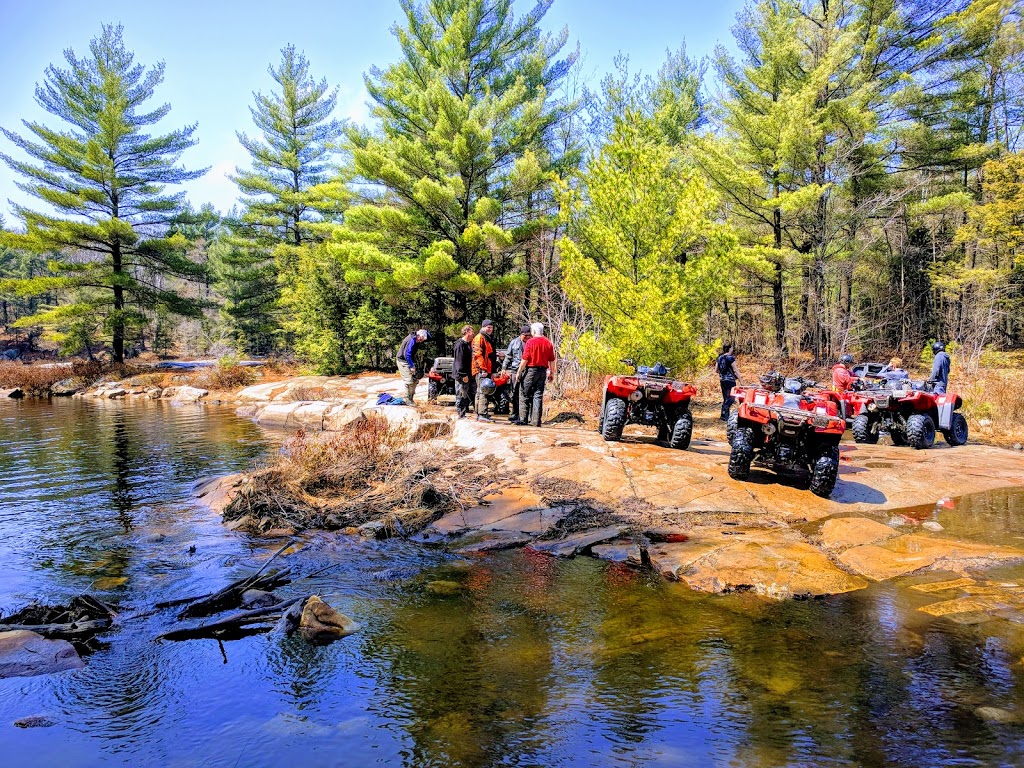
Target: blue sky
217	52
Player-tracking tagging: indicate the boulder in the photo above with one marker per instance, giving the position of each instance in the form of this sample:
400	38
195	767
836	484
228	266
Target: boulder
320	623
64	388
35	721
14	393
401	418
25	654
186	394
154	393
339	416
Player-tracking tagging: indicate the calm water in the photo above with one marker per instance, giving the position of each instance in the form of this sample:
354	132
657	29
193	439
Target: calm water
534	662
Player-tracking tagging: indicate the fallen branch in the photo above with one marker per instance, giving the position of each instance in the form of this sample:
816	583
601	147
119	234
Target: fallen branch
76	630
231	595
216	629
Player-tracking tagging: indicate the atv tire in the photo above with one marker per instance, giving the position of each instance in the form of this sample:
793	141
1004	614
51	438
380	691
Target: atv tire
682	432
920	431
742	453
730	425
433	390
957	432
825	472
863	431
613	420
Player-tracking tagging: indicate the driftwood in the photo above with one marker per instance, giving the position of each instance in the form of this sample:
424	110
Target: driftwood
231	595
78	621
76	630
237	624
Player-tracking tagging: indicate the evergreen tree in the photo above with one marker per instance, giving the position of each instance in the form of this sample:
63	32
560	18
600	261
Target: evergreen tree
286	198
644	255
456	181
104	177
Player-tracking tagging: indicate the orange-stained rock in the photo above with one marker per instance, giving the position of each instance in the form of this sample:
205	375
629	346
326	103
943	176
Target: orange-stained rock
906	554
320	623
846	532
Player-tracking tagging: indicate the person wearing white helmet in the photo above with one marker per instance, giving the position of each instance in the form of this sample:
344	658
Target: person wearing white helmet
408	359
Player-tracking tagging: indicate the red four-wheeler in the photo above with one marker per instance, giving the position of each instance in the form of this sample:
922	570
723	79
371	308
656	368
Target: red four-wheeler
783	426
651	398
910	413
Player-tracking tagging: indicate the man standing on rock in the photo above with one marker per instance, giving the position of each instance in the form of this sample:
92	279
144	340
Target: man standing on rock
410	366
513	357
485	359
536	368
462	370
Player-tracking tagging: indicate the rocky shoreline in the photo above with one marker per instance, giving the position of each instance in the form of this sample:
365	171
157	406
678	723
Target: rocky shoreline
677	512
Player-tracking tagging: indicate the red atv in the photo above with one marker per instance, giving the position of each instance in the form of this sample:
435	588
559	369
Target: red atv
650	398
784	425
910	413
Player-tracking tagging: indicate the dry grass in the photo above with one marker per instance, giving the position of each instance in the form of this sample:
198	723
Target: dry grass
369	471
38	380
226	377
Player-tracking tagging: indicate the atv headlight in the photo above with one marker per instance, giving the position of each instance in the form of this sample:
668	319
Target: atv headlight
636	395
872	407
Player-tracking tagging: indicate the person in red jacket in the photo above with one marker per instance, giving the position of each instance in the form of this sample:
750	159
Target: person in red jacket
842	379
537	367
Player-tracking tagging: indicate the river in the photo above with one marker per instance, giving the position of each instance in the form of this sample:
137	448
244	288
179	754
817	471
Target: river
532	661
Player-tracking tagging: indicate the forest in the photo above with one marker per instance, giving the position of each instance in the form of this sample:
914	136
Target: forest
850	179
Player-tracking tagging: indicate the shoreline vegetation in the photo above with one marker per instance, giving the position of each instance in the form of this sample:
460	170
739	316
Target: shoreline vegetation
993	393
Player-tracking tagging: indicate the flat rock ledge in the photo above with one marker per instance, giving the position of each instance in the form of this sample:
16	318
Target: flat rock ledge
676	512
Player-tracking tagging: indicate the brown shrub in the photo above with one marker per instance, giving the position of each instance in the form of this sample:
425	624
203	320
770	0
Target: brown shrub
226	377
369	471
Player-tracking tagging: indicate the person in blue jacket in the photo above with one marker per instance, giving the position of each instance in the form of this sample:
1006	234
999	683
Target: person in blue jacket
410	367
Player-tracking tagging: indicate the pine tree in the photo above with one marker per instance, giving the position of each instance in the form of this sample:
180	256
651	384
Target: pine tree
644	255
457	177
286	197
104	177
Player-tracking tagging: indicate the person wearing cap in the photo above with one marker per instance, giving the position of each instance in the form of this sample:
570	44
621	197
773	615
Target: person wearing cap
410	366
513	357
485	359
536	368
842	378
462	370
940	368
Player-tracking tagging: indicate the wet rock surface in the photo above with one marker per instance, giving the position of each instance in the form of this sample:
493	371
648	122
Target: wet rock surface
575	493
26	654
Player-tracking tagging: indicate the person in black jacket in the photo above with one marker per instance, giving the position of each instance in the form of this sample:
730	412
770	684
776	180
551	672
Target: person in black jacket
462	370
728	377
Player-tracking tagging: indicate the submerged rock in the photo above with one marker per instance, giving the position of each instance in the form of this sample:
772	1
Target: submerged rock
444	588
997	715
15	393
26	654
321	624
35	721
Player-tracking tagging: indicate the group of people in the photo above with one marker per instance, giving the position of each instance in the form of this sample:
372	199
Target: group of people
843	377
529	361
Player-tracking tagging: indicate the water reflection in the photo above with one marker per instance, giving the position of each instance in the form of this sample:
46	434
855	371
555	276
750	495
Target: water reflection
510	659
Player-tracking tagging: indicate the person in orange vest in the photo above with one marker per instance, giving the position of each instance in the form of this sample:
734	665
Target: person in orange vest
485	360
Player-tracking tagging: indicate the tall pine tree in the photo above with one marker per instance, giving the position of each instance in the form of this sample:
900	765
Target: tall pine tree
103	175
285	198
459	170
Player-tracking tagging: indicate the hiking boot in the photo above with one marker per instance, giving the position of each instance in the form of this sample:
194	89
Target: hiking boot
485	417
